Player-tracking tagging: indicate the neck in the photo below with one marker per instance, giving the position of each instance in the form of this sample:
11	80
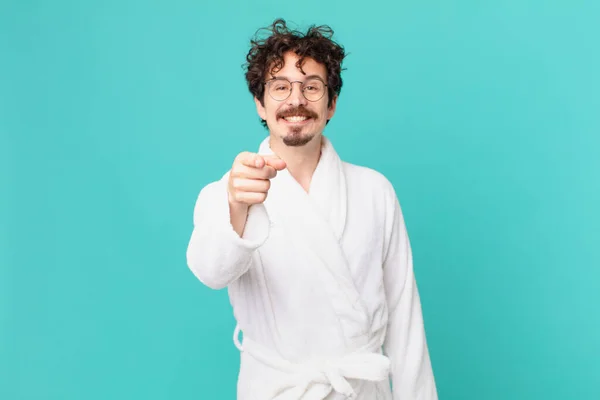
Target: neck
301	161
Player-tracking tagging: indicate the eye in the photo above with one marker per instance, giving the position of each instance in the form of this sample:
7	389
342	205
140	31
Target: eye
281	87
313	86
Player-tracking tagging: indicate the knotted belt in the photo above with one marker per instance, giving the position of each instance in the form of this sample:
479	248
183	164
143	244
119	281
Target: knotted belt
363	365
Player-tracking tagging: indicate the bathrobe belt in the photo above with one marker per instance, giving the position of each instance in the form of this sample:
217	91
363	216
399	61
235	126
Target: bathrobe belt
364	364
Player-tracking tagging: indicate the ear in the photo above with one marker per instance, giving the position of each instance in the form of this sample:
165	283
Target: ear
332	107
260	109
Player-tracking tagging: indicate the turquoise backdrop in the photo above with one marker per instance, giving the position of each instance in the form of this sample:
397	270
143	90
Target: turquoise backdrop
485	115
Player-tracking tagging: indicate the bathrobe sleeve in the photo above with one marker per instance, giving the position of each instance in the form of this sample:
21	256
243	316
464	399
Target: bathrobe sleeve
216	254
405	343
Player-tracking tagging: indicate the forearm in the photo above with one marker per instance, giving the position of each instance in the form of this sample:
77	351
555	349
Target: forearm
238	216
215	259
223	240
406	342
406	345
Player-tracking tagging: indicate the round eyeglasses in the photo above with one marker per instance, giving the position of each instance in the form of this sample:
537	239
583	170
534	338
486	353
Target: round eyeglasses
312	89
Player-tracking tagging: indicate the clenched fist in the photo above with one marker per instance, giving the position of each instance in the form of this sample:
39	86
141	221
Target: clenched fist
249	183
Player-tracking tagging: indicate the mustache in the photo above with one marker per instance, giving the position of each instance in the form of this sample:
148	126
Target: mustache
300	111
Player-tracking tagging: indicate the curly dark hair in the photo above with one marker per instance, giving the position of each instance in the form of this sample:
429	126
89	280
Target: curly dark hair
265	56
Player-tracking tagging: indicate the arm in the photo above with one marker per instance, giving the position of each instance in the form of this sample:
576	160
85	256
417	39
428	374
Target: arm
405	344
216	253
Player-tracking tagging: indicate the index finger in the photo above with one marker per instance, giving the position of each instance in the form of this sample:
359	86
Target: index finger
251	160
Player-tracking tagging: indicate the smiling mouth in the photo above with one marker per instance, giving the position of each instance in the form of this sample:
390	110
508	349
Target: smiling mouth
296	118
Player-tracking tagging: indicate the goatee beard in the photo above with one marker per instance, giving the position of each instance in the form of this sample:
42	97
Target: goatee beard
295	139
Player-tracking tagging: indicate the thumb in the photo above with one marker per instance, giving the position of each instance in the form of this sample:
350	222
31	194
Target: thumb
259	161
275	162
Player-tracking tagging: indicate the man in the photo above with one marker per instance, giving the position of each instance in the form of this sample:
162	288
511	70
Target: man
313	250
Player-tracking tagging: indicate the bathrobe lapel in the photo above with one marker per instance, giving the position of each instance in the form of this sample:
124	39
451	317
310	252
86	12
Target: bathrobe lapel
316	221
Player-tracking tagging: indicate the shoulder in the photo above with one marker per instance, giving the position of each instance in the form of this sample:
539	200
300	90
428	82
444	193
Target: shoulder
373	196
369	180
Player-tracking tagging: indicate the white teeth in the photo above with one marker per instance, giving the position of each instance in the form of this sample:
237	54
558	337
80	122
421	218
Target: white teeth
295	119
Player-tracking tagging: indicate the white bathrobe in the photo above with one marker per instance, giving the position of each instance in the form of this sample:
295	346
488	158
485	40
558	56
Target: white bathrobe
321	284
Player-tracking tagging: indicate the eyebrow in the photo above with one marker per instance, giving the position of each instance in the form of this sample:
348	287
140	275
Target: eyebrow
307	78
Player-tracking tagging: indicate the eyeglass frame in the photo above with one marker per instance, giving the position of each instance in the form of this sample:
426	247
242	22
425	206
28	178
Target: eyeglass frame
292	87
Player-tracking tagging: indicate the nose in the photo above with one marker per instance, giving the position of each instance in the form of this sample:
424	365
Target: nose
296	97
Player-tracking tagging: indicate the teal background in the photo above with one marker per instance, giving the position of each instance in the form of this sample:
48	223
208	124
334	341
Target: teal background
114	114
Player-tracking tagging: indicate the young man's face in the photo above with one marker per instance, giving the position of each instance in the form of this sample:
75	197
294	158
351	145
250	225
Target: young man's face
296	120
